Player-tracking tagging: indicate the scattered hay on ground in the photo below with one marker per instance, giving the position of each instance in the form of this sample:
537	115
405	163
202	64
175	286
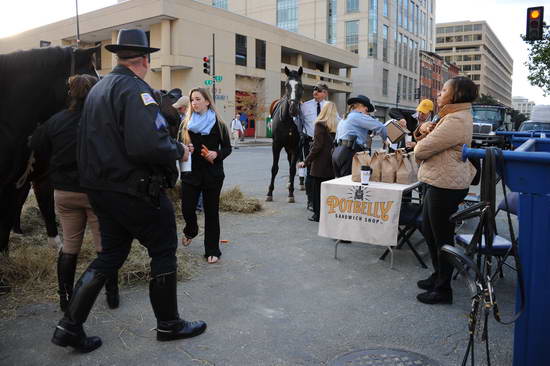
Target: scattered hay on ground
235	201
30	268
232	200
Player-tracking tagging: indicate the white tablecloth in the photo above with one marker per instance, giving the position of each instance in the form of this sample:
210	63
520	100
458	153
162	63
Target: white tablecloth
368	214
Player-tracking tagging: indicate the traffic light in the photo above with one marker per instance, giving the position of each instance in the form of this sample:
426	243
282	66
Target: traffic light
535	17
206	65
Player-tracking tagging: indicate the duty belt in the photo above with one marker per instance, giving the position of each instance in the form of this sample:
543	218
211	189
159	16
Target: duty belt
346	143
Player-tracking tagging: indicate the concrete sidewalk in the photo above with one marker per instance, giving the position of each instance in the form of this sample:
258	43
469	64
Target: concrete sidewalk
278	297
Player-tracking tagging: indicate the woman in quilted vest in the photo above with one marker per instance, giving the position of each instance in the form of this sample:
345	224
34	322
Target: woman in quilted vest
448	178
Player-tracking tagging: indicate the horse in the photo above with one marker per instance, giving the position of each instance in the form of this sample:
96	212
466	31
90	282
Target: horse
170	113
285	131
33	87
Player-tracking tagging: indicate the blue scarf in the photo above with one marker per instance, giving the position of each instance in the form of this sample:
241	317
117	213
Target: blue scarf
202	123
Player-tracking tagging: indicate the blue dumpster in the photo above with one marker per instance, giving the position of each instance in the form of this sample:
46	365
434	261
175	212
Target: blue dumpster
527	170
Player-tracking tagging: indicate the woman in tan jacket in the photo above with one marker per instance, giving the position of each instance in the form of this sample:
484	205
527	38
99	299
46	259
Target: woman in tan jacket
447	177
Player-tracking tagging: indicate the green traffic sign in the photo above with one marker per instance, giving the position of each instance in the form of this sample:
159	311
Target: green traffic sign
208	82
218	78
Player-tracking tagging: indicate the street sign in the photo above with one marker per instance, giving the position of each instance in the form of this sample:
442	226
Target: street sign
218	78
208	82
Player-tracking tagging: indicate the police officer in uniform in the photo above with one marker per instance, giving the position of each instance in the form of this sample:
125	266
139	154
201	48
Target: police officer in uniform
126	159
353	132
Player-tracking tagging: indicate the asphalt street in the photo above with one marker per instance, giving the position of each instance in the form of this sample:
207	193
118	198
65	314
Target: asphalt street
278	297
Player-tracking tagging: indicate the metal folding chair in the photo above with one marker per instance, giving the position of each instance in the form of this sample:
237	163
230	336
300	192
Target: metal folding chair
410	221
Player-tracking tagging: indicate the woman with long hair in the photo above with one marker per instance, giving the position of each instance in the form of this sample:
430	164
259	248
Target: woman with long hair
447	178
319	158
58	137
206	131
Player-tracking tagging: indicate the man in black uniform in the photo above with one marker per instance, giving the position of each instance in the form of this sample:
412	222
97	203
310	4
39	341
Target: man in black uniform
126	158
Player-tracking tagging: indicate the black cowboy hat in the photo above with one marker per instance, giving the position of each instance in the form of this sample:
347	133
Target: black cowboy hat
363	100
131	40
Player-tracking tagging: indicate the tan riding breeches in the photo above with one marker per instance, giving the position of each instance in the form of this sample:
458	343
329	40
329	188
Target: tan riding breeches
74	212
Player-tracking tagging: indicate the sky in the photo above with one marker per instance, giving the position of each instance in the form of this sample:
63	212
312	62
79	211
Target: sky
505	17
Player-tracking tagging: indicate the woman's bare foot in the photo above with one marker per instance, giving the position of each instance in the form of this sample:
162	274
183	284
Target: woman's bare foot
213	259
185	241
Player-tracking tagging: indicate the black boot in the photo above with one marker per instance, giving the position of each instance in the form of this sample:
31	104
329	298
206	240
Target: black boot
111	291
66	267
69	331
427	284
163	295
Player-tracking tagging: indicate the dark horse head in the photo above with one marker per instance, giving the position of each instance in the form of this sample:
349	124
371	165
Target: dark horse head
33	87
294	89
170	113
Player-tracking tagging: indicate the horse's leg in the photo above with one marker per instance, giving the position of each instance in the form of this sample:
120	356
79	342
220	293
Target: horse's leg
276	149
292	154
300	156
43	191
8	203
22	195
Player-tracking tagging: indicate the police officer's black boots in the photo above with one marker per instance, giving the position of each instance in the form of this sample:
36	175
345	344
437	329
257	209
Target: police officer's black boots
111	291
69	330
66	267
163	295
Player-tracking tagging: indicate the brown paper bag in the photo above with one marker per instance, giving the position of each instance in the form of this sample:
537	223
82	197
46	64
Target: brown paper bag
414	163
405	173
359	159
389	168
376	165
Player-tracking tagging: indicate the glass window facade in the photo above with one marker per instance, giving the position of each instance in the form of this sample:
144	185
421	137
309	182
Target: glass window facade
406	14
352	6
331	22
411	16
373	28
385	75
260	54
220	4
287	15
399	12
395	36
352	36
411	51
405	51
385	31
385	10
240	50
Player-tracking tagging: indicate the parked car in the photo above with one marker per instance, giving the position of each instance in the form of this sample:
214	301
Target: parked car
534	126
539	121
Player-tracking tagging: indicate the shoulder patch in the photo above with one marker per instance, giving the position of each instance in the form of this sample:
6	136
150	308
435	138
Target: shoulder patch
147	99
160	122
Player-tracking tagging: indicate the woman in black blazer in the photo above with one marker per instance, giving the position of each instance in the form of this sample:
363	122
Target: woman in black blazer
207	132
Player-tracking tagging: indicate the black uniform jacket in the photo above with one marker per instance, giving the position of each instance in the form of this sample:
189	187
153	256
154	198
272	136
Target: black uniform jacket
123	138
56	138
202	172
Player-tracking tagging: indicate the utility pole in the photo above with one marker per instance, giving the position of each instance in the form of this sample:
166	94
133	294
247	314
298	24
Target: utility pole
214	67
77	27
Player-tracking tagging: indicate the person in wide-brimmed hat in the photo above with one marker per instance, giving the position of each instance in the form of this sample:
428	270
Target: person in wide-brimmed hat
353	133
126	158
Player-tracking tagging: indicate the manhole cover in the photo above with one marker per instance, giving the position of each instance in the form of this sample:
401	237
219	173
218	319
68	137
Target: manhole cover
383	357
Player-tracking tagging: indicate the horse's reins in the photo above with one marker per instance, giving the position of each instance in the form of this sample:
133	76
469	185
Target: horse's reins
28	170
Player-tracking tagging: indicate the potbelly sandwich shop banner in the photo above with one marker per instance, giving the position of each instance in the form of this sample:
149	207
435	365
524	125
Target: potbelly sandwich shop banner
363	213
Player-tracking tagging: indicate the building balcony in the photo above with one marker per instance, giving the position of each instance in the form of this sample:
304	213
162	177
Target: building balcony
311	77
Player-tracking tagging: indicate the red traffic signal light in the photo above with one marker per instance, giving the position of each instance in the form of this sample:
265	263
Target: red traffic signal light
206	65
535	24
